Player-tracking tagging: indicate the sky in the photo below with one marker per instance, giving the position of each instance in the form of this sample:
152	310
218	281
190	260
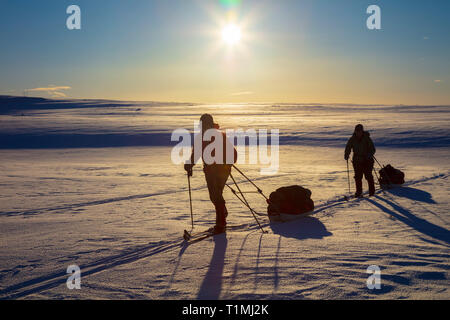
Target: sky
290	51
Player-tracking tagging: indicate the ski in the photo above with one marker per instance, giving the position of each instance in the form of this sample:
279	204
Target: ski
190	237
199	236
348	198
365	195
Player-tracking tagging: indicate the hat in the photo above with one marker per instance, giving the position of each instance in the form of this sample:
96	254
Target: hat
207	120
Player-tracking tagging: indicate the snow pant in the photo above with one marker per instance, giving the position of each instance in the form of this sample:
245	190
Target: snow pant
216	177
364	168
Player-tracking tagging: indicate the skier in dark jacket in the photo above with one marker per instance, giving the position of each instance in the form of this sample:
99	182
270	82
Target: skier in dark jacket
363	161
216	174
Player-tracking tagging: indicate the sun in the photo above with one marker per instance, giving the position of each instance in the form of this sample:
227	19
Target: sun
231	34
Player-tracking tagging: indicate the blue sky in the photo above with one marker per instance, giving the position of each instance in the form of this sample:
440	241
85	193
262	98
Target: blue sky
171	50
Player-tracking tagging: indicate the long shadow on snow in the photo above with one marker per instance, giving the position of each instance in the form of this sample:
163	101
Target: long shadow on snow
412	194
407	217
212	283
304	228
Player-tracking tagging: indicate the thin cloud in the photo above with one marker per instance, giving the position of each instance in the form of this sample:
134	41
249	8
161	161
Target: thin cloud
52	91
57	94
244	93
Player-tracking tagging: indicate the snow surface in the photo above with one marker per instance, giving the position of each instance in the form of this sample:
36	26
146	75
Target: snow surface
71	195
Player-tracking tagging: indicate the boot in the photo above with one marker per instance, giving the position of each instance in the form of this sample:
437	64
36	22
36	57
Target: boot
221	218
358	193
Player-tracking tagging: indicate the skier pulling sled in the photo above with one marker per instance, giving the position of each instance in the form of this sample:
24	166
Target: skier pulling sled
363	163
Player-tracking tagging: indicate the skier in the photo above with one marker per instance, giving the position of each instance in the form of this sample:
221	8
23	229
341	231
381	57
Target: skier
216	174
363	161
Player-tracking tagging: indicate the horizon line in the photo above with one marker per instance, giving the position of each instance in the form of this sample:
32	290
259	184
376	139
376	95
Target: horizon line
226	103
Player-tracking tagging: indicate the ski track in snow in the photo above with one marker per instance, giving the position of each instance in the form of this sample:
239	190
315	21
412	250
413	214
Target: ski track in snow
57	278
110	200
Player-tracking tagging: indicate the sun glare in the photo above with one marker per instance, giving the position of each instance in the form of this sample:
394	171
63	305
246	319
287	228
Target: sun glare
231	34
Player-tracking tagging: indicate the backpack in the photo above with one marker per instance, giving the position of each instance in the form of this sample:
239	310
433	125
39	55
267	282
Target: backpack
389	176
293	200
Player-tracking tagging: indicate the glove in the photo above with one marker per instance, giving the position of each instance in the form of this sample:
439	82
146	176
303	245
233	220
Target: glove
188	168
346	157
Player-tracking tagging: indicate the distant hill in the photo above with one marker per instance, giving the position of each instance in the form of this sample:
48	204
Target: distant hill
14	104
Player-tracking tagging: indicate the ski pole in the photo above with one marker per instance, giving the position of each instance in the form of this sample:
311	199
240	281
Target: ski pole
245	204
376	175
382	167
384	171
348	178
257	188
243	197
190	200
